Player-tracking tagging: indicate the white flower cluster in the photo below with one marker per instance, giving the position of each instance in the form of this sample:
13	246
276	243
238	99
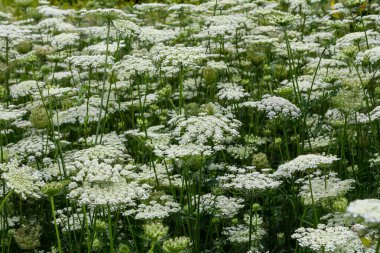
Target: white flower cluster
157	210
359	38
51	11
56	24
22	179
64	40
240	233
126	28
77	114
180	151
154	36
10	114
252	181
220	25
275	107
109	154
109	14
205	129
177	55
25	88
134	65
375	113
101	48
120	193
70	221
324	188
328	239
12	32
89	61
368	209
231	92
318	143
150	6
372	55
161	171
33	146
219	206
94	171
303	163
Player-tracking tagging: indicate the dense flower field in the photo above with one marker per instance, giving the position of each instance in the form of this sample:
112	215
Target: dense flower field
225	126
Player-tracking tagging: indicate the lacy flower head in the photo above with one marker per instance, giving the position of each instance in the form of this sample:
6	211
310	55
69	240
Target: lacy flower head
134	65
89	61
205	130
368	209
304	163
23	180
178	55
329	239
324	188
248	181
276	107
219	206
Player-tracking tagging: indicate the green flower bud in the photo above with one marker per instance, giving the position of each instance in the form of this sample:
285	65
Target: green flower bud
155	231
176	245
256	207
54	188
340	204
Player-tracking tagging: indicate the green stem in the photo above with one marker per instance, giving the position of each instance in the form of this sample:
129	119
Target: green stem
5	199
110	228
104	84
55	225
378	244
312	201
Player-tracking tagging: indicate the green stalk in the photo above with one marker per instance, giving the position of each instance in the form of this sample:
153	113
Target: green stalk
87	106
7	72
180	88
5	199
104	84
110	228
293	72
87	229
378	244
55	224
250	219
312	201
51	125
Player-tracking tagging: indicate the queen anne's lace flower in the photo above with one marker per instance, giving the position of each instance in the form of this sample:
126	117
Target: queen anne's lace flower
178	55
87	61
113	194
64	40
253	181
180	151
106	14
205	130
23	180
9	115
324	187
329	239
219	206
240	233
275	107
134	65
25	88
51	11
368	209
157	210
303	163
231	92
31	146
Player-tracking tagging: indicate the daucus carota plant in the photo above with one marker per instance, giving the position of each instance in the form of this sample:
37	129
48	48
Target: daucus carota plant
201	126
